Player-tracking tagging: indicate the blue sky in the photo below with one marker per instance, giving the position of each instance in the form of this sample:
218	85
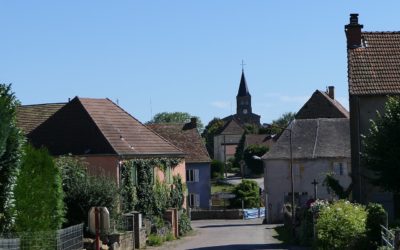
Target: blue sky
155	56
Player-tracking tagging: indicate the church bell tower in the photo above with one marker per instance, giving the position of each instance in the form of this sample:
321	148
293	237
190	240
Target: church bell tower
243	99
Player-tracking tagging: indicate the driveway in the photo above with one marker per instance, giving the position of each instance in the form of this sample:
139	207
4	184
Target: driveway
227	235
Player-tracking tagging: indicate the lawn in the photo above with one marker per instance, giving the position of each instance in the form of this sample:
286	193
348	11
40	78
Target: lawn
217	187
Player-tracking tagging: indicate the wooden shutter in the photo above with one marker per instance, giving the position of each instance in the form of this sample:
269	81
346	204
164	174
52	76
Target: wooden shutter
196	175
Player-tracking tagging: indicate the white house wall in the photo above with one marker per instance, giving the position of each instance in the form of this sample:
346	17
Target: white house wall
277	181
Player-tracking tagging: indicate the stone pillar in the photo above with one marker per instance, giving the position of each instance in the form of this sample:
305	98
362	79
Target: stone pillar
137	226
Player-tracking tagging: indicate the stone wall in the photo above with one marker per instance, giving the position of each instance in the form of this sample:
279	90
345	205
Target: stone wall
228	214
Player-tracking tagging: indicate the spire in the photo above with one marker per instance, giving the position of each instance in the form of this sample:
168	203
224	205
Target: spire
243	90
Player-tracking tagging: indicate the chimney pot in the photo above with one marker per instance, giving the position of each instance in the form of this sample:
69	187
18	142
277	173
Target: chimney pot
331	92
353	32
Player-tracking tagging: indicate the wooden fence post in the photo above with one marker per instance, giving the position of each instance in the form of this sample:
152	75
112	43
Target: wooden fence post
397	239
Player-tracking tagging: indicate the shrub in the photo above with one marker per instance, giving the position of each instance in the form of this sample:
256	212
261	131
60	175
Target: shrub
38	193
11	142
169	236
376	217
341	225
184	224
217	169
83	191
161	195
248	191
155	240
306	227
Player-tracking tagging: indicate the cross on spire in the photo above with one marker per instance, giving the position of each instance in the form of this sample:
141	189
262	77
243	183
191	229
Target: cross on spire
243	64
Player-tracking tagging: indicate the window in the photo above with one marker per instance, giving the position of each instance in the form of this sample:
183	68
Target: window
340	168
192	175
194	200
168	175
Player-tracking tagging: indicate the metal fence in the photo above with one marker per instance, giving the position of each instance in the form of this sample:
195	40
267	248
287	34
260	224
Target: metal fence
70	238
387	237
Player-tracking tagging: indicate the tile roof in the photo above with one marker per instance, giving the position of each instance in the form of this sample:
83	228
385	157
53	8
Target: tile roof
320	105
98	126
374	68
232	126
255	139
314	138
185	137
31	116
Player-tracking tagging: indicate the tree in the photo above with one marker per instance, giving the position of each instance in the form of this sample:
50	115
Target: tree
175	117
211	130
83	191
38	193
248	191
11	142
281	122
255	165
382	148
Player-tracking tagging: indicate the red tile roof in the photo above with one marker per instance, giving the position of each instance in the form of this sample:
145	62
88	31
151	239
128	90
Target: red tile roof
31	116
98	126
374	68
185	137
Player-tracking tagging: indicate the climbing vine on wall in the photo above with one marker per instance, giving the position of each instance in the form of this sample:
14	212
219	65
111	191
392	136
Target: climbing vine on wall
139	192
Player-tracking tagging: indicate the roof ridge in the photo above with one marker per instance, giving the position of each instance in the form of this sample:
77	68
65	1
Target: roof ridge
41	104
380	32
335	102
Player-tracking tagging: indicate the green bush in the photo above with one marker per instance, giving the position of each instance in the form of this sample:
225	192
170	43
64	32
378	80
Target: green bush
184	225
161	198
11	142
83	191
306	227
217	169
38	193
341	225
155	240
248	191
169	236
376	217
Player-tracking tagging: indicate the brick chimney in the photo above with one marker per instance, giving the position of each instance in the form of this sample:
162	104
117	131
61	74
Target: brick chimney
353	32
331	92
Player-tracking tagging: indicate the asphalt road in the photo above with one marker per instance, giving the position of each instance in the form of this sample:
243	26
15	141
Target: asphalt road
228	235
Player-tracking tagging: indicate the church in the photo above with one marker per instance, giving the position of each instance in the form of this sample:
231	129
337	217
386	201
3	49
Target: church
226	141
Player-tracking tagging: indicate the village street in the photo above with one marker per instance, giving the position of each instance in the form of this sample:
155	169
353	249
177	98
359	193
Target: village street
227	234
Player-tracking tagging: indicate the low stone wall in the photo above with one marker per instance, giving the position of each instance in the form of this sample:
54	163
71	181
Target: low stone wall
227	214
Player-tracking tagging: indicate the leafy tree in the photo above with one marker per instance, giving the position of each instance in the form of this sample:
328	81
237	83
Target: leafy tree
11	141
382	148
38	193
83	191
248	191
177	193
212	129
255	165
217	169
175	117
281	122
335	186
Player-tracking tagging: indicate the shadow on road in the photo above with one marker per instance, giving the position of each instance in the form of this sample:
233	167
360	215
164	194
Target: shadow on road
243	247
231	225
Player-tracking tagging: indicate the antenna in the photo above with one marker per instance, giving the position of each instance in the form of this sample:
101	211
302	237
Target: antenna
117	102
151	110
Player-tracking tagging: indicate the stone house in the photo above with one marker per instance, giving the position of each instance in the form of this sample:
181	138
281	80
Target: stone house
373	61
319	146
198	173
97	130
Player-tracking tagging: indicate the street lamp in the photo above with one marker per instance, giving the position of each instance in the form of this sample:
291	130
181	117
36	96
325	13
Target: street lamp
291	172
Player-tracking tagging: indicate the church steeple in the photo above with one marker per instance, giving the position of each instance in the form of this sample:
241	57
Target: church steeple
243	90
243	98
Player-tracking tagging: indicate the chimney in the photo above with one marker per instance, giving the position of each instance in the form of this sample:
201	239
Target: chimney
353	32
193	122
331	92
